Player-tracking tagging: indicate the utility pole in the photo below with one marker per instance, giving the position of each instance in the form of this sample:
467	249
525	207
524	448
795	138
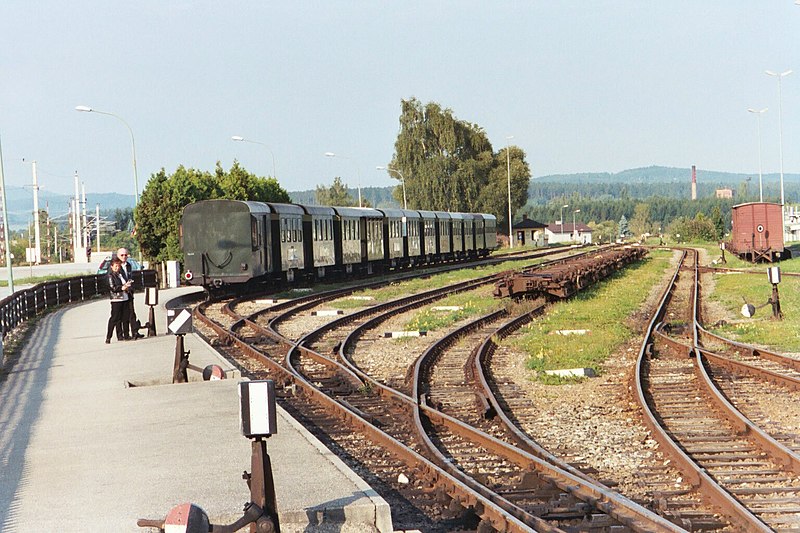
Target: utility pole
6	242
77	249
97	226
37	238
85	226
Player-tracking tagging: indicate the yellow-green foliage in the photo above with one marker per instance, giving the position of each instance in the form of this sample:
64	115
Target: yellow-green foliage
601	309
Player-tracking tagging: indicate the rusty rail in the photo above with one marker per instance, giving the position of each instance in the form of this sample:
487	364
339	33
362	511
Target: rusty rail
729	506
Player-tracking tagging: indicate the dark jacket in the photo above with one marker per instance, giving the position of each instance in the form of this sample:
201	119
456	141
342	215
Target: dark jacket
126	271
115	286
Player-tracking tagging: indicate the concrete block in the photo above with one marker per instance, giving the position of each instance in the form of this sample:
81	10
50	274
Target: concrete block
398	334
327	312
572	373
572	331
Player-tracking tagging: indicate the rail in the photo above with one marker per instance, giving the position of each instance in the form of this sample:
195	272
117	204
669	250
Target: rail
27	303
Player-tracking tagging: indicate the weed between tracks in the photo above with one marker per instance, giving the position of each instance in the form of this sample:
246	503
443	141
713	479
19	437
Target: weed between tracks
553	342
472	304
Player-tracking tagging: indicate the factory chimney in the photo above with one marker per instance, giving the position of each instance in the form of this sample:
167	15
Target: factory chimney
694	182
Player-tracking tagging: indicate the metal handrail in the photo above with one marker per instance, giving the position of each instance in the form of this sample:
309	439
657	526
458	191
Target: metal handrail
27	303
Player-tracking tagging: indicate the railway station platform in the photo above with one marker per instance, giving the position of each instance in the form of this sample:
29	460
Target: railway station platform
94	436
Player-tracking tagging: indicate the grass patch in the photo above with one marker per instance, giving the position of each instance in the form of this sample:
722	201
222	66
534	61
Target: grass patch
403	288
473	304
733	290
602	309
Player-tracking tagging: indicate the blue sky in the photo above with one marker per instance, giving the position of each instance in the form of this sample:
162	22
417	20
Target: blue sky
582	86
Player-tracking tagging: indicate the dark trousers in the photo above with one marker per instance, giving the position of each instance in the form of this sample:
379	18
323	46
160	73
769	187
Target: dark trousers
130	324
117	320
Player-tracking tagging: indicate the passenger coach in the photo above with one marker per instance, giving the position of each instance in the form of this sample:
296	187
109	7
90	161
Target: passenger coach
232	242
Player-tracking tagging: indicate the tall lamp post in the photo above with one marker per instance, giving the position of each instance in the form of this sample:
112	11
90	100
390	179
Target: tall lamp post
358	172
780	123
561	220
87	109
780	140
758	117
574	230
402	181
508	168
239	138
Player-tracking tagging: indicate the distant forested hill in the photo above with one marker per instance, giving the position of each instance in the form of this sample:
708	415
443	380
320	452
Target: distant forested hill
19	202
638	183
376	196
664	182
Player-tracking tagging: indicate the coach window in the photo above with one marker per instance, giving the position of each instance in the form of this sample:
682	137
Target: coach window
284	231
254	235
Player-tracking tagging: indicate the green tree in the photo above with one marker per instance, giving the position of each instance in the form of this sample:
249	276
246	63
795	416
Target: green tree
449	165
494	195
718	222
164	197
605	231
623	227
640	223
699	228
337	194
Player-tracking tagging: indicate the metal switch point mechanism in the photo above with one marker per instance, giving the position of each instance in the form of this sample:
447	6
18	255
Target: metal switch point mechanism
258	418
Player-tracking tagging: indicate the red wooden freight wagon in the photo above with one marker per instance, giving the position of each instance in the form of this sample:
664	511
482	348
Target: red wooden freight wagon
757	233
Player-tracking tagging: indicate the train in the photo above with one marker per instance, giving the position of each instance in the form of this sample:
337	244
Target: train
235	243
757	232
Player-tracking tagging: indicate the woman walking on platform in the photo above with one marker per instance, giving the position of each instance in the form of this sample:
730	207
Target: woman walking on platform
119	297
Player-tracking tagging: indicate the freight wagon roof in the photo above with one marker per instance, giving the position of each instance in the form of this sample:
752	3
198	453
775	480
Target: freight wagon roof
755	203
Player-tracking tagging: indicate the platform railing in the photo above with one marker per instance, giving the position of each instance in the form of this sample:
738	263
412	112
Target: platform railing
24	304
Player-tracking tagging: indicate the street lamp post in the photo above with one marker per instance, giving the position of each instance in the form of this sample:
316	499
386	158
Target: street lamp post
358	172
402	181
760	186
574	230
561	220
508	168
780	123
239	138
780	139
87	109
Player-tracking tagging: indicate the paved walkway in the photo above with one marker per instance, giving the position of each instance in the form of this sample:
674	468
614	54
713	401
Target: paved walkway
81	450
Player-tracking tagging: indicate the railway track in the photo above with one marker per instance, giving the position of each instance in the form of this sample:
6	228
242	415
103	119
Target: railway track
466	412
747	475
306	372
